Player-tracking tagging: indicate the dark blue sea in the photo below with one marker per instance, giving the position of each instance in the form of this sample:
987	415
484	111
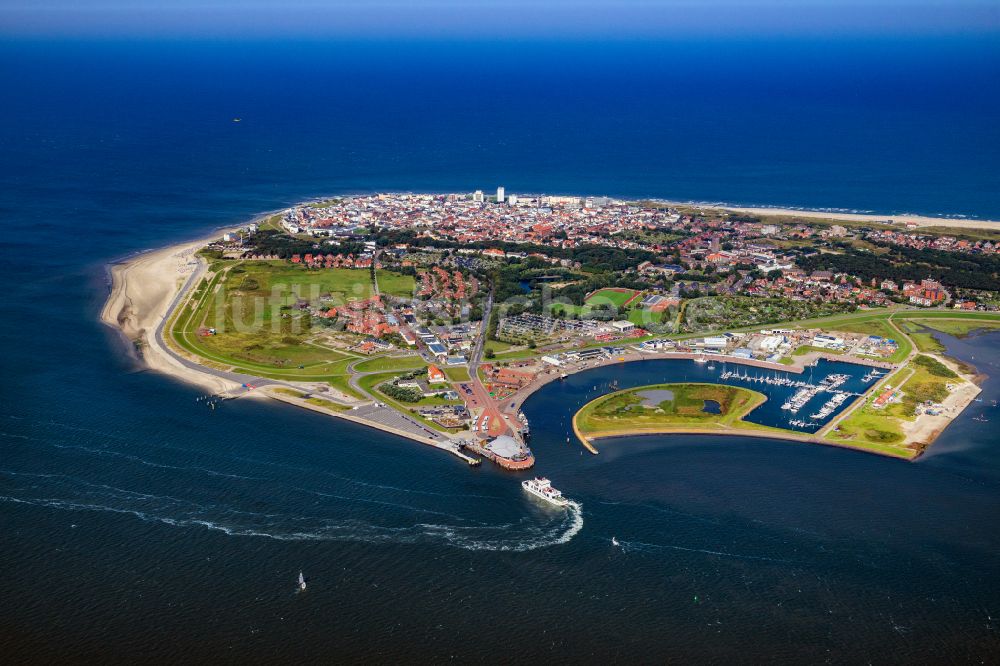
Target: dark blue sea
135	524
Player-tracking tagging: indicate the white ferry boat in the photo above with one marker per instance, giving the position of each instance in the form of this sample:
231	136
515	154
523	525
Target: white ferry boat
542	488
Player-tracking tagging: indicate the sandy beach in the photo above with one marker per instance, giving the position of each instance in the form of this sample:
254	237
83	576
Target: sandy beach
919	220
142	291
925	428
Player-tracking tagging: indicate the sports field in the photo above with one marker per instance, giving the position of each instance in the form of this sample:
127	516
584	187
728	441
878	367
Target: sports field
616	296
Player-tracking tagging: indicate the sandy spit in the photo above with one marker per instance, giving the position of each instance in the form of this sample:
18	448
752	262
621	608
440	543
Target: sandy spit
919	220
142	290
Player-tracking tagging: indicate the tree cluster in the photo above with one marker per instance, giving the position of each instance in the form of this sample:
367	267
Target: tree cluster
954	269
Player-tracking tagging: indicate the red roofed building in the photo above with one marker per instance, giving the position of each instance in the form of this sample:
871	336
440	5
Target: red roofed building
435	375
513	377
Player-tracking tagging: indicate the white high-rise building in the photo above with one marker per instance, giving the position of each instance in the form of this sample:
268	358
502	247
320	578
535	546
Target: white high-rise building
512	200
477	196
500	194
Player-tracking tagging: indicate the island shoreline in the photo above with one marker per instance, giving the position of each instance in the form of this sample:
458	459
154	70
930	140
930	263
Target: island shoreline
745	433
144	294
146	288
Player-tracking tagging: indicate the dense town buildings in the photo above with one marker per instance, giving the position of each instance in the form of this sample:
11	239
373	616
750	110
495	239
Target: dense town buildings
694	253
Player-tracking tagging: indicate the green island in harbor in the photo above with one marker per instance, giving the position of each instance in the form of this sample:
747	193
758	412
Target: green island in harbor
666	408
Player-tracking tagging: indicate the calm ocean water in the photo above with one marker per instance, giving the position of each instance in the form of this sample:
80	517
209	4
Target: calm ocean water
134	522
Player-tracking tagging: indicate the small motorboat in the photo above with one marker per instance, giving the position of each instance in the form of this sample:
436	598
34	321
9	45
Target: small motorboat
614	542
302	582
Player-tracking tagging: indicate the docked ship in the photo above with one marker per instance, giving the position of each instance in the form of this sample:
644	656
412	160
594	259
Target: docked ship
504	450
831	405
542	488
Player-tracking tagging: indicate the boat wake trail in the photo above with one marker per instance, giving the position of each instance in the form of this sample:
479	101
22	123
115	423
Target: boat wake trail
561	532
336	520
639	546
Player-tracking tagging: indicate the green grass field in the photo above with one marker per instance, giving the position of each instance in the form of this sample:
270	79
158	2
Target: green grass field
877	327
259	333
292	393
677	407
958	327
869	429
498	346
395	284
958	315
610	296
457	374
643	318
926	342
272	223
279	344
390	363
569	309
290	281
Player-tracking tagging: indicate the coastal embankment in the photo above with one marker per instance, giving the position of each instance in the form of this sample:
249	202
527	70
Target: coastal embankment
445	445
588	440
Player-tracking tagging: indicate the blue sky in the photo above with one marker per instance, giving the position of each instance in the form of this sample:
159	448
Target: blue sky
493	19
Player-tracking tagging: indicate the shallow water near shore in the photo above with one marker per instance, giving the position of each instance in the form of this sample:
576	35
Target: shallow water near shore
134	521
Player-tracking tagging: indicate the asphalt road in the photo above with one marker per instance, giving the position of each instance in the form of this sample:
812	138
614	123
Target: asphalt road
158	334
